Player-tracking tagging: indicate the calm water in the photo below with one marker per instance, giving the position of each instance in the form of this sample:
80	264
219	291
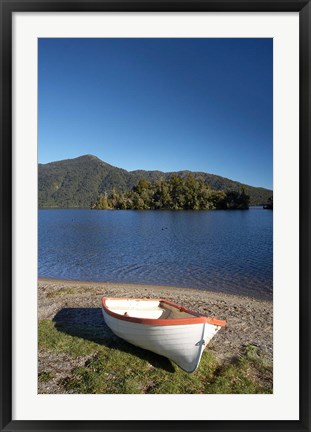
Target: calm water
228	251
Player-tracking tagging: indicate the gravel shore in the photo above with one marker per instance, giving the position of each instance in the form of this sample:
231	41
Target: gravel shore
249	321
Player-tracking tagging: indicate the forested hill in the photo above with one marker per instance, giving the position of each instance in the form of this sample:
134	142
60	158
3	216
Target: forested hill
76	183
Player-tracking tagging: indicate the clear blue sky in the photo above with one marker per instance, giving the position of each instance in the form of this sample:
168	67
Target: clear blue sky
160	104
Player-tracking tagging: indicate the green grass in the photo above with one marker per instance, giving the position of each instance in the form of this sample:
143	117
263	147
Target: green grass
62	292
114	366
50	338
45	376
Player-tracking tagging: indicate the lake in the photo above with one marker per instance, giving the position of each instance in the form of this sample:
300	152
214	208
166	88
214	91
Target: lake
228	251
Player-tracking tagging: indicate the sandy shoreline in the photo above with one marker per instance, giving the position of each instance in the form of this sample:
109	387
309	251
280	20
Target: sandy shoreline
249	321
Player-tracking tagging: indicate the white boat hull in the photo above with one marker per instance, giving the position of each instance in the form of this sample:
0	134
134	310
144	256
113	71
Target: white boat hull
183	344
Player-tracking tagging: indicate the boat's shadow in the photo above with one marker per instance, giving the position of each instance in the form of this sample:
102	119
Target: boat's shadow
89	324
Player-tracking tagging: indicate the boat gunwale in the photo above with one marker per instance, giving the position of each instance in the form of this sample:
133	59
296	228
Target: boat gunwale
196	319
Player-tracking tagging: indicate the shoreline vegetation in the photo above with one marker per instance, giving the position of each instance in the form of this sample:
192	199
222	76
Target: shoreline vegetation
176	193
79	354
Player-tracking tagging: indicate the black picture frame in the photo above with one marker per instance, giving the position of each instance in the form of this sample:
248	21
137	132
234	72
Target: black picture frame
7	9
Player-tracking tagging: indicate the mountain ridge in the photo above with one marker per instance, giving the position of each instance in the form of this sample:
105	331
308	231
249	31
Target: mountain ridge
77	182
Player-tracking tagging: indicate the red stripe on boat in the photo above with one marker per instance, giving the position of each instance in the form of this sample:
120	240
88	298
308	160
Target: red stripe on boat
197	319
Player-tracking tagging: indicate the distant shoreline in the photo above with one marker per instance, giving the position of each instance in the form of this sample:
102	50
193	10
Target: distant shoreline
254	206
261	206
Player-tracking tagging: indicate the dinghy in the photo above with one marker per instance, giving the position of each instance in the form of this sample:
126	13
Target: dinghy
162	327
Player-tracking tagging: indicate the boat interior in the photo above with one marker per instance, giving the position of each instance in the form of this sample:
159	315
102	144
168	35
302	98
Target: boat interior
152	309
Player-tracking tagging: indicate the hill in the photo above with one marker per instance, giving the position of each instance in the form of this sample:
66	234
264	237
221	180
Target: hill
76	183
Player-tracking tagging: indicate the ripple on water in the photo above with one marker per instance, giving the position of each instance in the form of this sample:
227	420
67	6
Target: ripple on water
219	250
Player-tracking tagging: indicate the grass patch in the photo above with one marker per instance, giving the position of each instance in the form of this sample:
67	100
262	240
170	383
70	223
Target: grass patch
62	292
45	376
49	338
116	367
250	373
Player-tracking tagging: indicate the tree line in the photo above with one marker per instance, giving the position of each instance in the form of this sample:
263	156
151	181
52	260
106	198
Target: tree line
176	193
